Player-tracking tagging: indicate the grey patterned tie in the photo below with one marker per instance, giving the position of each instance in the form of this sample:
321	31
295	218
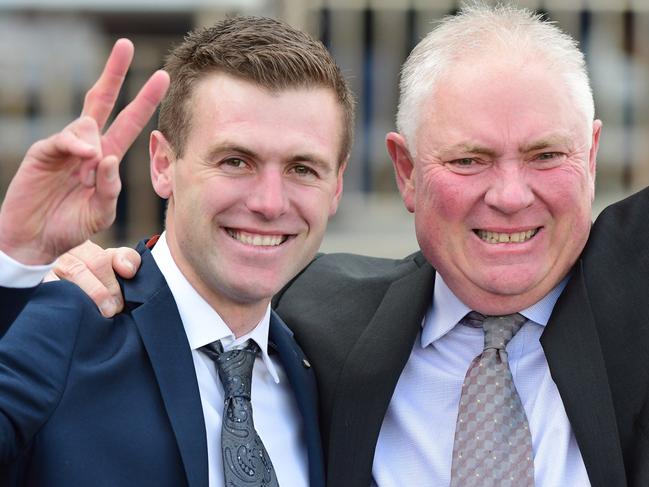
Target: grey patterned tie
245	460
493	444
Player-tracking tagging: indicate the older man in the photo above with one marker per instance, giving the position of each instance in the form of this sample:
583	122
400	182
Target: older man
496	156
254	136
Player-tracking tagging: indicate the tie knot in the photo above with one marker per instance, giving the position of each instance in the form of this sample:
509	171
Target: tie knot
234	367
498	330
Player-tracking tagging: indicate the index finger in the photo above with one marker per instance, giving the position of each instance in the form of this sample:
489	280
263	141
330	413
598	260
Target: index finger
90	267
100	99
133	118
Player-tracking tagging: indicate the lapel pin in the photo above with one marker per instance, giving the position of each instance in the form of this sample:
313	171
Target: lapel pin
306	363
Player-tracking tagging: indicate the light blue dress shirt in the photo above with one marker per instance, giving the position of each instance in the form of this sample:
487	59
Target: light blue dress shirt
416	440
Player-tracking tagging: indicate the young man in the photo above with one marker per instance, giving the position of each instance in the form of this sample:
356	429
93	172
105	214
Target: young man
253	138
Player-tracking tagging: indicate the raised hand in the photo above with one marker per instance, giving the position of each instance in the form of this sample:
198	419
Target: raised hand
67	185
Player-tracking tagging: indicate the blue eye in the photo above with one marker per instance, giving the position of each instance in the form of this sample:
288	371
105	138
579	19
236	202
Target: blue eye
303	170
548	160
467	165
546	156
234	162
465	161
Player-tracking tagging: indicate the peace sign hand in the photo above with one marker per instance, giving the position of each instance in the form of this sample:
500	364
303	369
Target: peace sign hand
66	187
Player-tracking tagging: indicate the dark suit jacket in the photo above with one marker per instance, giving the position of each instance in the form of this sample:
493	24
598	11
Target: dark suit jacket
88	401
357	318
11	303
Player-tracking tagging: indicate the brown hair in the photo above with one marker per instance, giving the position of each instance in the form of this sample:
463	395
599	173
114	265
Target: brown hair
261	50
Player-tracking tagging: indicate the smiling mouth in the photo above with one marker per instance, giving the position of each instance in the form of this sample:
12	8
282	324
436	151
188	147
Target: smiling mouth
256	239
498	237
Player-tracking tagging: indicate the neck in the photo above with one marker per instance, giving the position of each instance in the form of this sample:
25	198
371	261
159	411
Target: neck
240	319
494	304
240	313
490	304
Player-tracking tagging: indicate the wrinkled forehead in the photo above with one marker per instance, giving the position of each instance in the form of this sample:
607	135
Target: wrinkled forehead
514	94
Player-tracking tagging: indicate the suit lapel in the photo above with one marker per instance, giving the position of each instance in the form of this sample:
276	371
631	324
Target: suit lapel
571	345
157	319
370	375
302	380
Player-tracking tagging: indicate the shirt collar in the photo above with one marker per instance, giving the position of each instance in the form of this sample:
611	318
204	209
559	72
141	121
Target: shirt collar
202	323
447	310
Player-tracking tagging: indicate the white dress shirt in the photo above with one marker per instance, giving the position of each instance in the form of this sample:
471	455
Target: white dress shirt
416	440
16	275
277	418
276	415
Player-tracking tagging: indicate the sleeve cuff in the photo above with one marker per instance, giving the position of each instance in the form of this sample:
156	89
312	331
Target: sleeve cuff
13	274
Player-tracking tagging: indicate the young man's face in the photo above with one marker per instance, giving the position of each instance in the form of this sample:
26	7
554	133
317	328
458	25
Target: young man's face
250	198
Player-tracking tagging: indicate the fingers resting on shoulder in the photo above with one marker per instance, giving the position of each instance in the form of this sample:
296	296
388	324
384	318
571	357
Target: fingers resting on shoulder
95	271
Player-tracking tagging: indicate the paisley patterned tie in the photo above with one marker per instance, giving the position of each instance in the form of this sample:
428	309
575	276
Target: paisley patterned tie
245	460
493	444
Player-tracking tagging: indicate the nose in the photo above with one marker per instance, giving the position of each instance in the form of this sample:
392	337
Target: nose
268	197
509	192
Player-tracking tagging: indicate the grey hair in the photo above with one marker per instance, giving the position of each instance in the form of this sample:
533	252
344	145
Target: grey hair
479	29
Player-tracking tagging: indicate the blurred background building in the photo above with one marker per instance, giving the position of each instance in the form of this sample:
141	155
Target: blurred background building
52	50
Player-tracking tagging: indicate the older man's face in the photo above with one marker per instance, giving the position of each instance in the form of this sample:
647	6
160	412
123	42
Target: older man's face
502	182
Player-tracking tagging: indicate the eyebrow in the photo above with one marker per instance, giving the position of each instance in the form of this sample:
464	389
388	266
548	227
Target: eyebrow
306	157
216	150
470	148
544	143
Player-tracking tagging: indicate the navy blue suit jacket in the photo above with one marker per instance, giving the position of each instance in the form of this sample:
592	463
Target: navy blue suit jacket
89	401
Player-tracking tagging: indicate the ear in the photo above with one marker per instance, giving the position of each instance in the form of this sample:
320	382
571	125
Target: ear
162	157
592	155
333	207
403	168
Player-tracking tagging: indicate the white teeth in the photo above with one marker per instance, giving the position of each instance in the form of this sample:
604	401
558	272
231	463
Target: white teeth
496	237
256	239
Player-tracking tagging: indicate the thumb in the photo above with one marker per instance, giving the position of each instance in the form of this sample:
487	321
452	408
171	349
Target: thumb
108	186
